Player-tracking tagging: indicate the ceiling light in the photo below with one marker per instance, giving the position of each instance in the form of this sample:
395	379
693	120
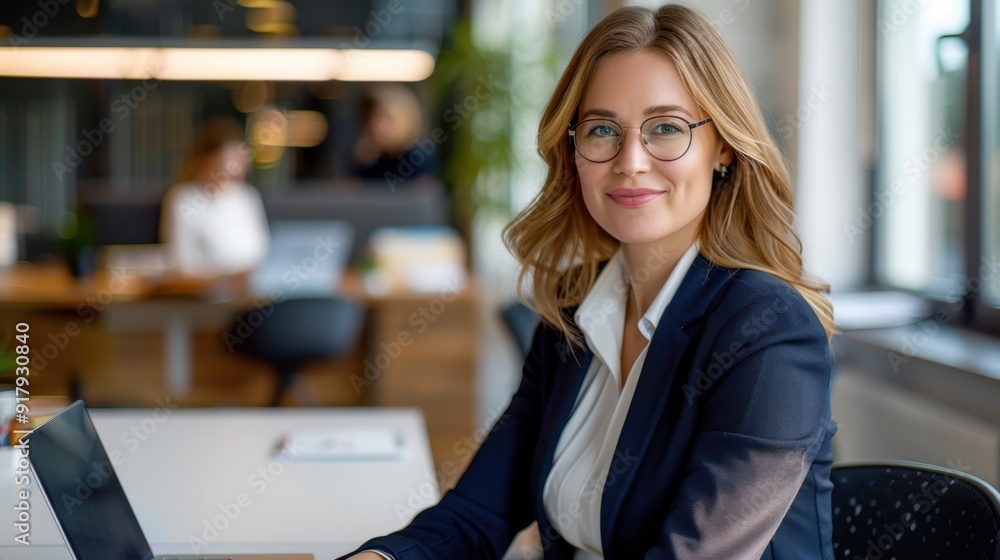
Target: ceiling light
303	64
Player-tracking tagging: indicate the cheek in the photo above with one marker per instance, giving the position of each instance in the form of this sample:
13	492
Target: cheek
590	174
694	176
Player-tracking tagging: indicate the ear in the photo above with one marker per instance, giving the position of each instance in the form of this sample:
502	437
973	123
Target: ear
726	154
724	158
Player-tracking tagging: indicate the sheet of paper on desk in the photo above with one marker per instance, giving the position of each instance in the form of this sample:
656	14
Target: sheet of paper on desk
345	444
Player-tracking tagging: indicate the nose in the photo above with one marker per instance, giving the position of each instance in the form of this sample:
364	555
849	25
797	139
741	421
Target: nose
633	157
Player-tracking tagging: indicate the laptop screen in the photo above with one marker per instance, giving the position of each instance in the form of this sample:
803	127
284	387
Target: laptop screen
307	258
83	490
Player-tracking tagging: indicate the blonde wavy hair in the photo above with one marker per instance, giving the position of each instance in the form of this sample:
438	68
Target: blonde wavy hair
748	222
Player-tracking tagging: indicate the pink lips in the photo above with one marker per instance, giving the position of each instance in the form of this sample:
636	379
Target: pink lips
633	197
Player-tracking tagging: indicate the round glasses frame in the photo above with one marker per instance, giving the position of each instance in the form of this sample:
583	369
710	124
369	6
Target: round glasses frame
645	142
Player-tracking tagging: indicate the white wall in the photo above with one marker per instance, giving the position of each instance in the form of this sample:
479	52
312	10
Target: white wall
831	185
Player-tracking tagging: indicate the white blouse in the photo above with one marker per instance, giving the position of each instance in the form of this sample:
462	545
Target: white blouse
573	490
212	231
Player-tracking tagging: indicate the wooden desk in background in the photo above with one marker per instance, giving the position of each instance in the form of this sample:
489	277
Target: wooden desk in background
126	346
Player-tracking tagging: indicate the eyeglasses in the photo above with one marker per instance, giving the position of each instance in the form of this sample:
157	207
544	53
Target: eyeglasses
665	138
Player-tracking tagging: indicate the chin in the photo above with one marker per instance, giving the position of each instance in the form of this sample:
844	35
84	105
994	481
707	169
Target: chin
636	231
632	235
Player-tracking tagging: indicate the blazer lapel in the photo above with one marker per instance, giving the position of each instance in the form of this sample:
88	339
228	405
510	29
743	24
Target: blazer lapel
569	375
669	344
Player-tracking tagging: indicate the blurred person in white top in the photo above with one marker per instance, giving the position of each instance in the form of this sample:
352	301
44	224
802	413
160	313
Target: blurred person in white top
213	222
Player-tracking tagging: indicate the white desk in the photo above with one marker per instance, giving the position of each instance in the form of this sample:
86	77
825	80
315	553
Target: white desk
198	459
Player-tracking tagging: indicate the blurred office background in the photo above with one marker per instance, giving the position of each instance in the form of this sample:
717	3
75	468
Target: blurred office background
886	111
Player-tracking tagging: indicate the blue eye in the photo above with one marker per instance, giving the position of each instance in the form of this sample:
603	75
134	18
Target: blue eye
665	129
600	130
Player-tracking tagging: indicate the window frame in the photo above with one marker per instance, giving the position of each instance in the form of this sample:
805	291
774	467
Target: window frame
985	317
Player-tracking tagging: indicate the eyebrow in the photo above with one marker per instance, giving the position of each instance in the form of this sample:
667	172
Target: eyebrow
652	110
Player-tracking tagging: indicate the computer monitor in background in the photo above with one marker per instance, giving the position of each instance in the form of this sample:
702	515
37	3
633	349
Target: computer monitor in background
307	258
123	222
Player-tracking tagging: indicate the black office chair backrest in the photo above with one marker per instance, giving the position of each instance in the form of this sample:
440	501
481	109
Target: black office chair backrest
296	331
521	322
902	510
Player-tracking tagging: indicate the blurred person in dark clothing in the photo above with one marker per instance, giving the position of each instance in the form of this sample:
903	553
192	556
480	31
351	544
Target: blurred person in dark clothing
387	148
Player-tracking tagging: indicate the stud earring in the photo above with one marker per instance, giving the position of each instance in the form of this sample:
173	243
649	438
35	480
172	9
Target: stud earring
723	171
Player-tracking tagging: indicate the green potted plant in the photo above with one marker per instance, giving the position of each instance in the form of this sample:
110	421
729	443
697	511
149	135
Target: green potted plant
77	234
7	356
471	84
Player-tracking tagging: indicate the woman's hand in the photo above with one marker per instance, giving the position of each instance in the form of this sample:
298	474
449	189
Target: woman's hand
366	556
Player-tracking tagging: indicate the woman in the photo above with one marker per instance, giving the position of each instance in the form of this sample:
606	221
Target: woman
213	222
675	402
386	148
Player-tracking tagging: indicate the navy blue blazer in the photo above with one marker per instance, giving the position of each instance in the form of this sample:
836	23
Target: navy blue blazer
725	452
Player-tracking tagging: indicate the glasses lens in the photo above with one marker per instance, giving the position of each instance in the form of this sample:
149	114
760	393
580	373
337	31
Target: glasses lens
598	140
667	138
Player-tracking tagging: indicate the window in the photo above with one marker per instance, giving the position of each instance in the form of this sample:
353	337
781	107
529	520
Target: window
937	188
921	178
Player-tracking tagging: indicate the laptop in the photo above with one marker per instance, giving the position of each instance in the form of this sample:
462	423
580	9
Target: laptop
90	507
307	258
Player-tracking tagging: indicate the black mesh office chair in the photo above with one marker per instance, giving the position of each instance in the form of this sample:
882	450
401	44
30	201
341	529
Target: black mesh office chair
296	332
901	510
521	323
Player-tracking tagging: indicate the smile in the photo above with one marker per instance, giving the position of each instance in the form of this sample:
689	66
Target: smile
632	198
